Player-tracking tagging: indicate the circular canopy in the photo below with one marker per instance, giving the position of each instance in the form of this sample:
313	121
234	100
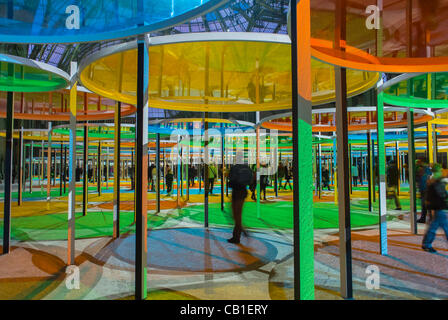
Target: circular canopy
360	118
417	91
197	125
217	72
65	21
18	74
54	106
404	42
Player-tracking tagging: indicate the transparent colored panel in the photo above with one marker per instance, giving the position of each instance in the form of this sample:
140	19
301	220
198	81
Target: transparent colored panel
31	21
178	73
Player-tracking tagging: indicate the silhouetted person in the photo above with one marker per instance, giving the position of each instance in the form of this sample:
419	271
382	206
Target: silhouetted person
169	181
325	178
437	198
240	176
288	176
392	183
423	172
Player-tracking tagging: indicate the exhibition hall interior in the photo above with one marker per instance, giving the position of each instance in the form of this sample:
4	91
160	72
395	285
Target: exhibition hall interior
223	149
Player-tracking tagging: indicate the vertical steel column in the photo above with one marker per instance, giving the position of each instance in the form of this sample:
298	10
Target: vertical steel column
411	168
258	164
99	168
117	142
85	174
8	165
49	162
157	177
141	172
398	160
344	183
71	167
302	150
61	169
369	169
20	162
382	175
222	169
205	167
31	166
206	156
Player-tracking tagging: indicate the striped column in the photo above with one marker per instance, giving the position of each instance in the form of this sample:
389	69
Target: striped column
302	151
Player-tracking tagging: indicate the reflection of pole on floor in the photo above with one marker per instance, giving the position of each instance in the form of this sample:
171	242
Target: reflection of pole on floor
344	183
141	173
117	142
411	168
72	165
8	166
381	174
369	169
302	161
157	177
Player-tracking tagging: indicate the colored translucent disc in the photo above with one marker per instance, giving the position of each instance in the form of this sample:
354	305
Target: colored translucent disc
54	106
221	75
23	75
64	21
421	91
358	120
396	36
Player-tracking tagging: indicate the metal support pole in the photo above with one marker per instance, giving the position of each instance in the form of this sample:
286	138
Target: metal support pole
382	175
344	183
222	170
8	166
61	169
369	169
72	166
411	168
49	163
302	151
141	172
85	181
20	165
117	142
157	177
31	171
99	167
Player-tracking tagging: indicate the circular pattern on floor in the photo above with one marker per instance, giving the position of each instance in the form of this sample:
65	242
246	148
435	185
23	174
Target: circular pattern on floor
198	250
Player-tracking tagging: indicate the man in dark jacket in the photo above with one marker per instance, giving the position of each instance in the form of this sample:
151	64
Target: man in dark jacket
239	194
437	200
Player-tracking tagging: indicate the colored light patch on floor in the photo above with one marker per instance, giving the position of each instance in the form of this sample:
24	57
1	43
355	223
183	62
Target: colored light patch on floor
278	215
54	226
